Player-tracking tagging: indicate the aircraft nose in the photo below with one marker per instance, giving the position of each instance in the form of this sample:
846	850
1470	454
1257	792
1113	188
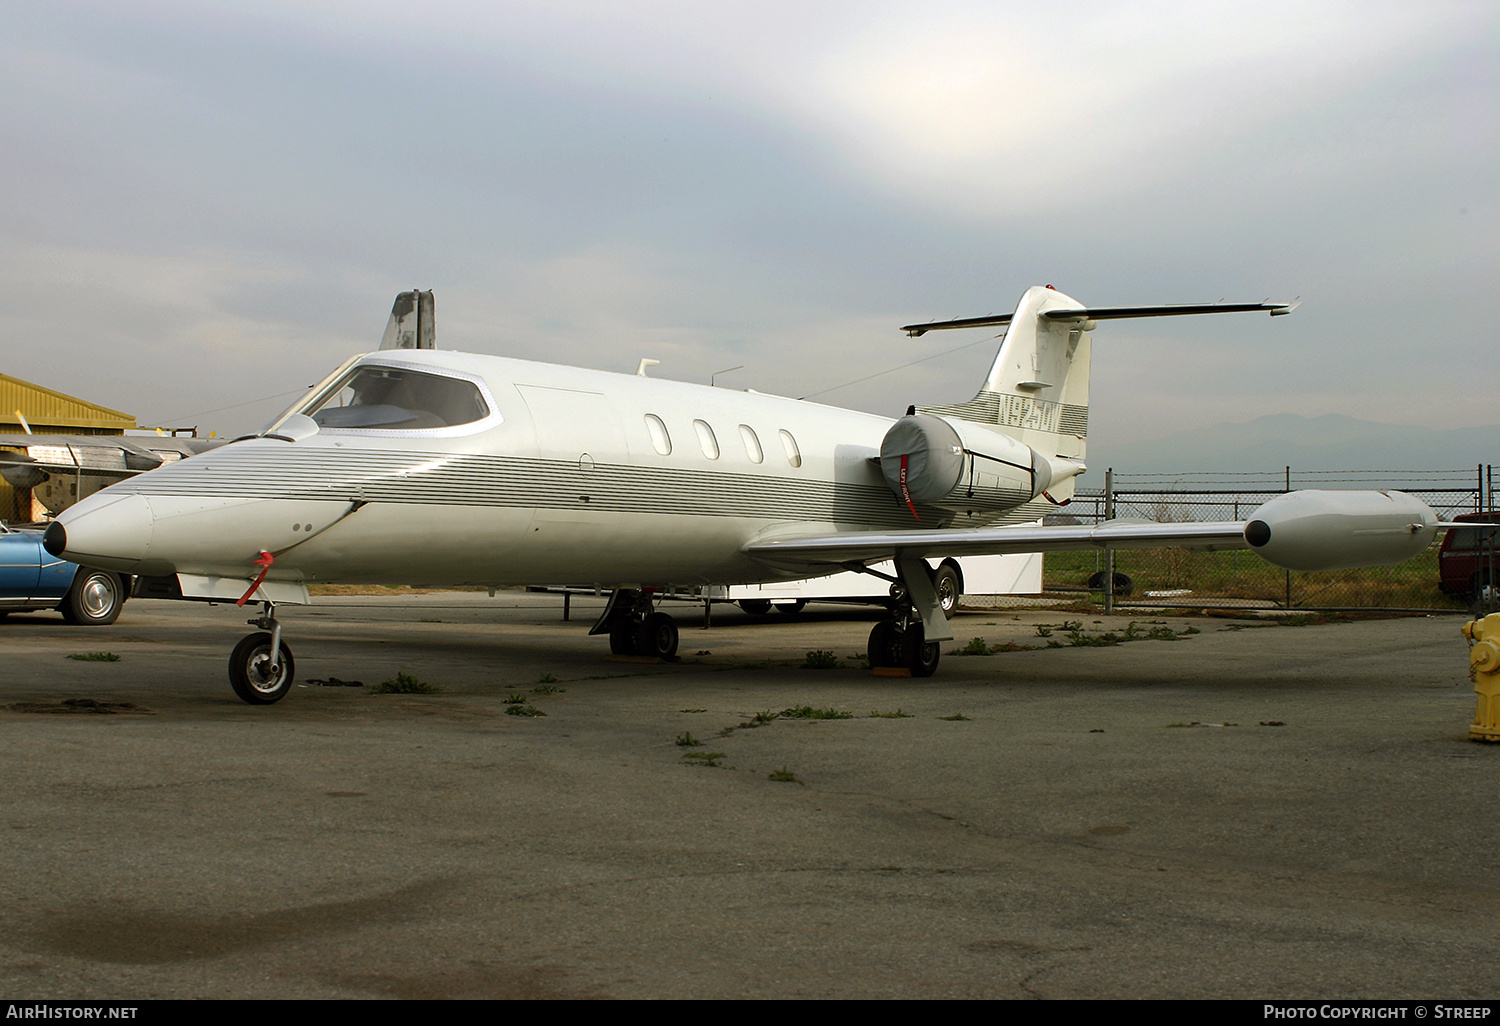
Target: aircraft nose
113	535
55	539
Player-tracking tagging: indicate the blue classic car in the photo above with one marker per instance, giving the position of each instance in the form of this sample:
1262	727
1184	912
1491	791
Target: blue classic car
30	578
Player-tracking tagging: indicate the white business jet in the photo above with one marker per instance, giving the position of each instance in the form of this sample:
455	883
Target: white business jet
429	467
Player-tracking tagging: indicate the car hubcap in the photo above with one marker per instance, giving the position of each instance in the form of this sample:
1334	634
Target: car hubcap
98	596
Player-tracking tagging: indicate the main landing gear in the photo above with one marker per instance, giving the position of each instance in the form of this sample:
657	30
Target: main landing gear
917	612
634	629
901	641
261	667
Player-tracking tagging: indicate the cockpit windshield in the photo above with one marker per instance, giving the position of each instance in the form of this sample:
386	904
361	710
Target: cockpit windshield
395	398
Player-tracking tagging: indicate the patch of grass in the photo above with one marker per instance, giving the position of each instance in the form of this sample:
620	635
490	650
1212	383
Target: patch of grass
822	660
784	776
547	689
523	710
894	714
516	699
955	716
692	710
702	758
95	657
976	647
687	740
405	684
807	712
546	678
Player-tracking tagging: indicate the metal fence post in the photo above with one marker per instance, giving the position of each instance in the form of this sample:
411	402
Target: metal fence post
1109	554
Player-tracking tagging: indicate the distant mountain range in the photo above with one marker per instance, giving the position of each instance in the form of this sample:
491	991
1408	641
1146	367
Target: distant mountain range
1331	442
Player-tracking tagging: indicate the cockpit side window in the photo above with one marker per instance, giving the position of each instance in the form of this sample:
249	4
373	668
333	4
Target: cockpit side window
395	398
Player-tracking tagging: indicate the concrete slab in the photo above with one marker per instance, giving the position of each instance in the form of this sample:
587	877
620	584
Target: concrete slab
1325	830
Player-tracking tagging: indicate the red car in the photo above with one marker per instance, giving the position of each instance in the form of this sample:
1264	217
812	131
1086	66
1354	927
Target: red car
1468	558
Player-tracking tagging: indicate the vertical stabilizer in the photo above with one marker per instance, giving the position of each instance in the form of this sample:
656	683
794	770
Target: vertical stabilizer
411	323
1037	390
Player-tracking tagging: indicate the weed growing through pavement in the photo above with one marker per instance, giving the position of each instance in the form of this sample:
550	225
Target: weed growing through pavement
95	657
807	712
405	684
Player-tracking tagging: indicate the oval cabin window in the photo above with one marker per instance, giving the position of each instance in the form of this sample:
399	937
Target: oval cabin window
752	444
706	439
659	437
793	454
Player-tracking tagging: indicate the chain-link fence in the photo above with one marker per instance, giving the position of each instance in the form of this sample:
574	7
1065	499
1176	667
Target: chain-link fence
1177	576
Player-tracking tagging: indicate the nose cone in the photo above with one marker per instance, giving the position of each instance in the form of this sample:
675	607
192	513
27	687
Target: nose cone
114	534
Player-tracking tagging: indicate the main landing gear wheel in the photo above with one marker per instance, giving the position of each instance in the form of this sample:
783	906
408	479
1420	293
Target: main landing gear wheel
919	655
791	608
885	645
756	607
891	646
255	677
625	637
658	637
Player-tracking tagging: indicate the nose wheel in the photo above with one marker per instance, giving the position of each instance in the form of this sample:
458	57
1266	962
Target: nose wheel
261	669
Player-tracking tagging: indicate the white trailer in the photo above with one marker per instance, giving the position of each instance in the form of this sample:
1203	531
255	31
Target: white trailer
1015	574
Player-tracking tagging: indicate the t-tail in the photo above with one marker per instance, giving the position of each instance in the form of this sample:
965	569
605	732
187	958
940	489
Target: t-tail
1037	390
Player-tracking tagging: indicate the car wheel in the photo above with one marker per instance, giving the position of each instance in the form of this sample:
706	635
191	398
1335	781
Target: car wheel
949	591
252	674
94	599
1123	584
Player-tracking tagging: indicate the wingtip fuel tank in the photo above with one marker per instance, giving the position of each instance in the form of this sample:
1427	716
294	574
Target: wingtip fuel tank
1328	530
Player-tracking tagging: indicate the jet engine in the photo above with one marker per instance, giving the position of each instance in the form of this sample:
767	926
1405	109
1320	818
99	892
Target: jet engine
1321	530
961	466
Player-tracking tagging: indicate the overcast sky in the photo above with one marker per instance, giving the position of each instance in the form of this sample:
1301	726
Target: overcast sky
209	204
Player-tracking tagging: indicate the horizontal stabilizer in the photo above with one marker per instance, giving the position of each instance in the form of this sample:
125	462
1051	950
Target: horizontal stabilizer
1109	313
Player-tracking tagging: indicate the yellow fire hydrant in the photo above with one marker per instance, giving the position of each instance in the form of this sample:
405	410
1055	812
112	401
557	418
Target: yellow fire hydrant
1484	668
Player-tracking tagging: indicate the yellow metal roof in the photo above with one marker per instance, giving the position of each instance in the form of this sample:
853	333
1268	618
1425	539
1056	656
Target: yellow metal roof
48	411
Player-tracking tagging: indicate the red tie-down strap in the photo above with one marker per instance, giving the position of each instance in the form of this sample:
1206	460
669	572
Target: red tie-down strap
905	494
264	561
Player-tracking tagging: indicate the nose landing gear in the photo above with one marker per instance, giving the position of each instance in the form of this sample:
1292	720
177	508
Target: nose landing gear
261	669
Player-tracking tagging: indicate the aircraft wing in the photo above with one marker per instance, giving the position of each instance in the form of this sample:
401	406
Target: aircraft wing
120	455
875	546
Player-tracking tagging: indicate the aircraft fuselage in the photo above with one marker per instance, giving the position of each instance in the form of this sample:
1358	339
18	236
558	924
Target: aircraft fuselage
573	475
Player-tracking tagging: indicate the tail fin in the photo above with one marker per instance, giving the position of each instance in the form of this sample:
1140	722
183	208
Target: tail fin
412	322
1037	391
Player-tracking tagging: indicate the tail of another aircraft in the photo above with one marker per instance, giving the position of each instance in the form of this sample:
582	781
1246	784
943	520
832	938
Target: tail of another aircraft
1037	391
413	322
